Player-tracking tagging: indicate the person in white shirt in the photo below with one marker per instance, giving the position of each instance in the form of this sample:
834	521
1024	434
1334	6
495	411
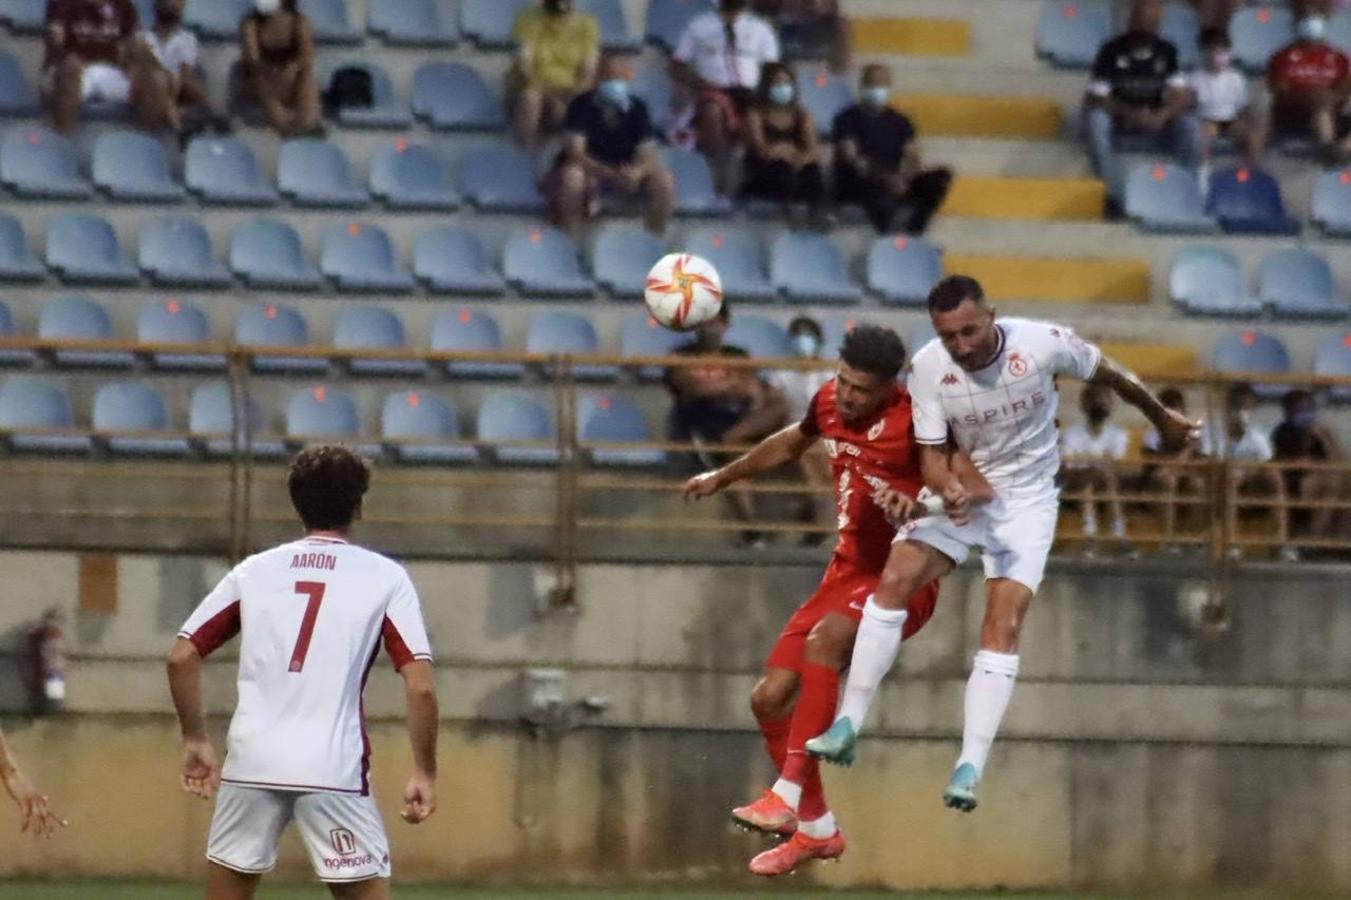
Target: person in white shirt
1086	446
311	615
1222	102
1168	473
799	386
167	56
986	386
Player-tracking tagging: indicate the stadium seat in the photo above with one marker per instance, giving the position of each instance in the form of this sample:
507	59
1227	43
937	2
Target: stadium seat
17	260
126	416
556	331
177	322
373	328
18	100
1259	31
1298	282
695	192
14	357
40	164
467	330
642	335
23	16
1331	207
211	424
739	259
1208	281
359	256
321	412
80	319
36	417
615	419
454	97
1256	352
498	177
758	336
450	260
489	23
224	170
652	84
540	261
1164	197
903	269
176	251
277	326
621	258
508	417
807	267
833	330
1069	32
330	22
83	249
132	166
267	253
824	94
215	19
1332	356
412	176
1181	26
1248	201
422	427
615	35
386	109
666	19
1339	30
314	172
413	23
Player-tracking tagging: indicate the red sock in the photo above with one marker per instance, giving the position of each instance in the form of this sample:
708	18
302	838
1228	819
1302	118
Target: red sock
813	714
776	740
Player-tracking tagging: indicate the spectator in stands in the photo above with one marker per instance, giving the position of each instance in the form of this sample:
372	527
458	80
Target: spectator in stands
815	29
559	51
88	45
277	40
1093	448
718	59
1175	480
167	56
1240	441
1310	81
1137	88
1222	103
877	160
1216	13
799	386
611	148
1301	438
783	155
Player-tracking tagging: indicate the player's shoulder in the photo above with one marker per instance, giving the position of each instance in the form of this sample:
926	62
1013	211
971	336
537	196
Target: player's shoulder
376	563
1035	333
930	355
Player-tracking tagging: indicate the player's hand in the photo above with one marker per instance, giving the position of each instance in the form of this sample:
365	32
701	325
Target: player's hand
200	774
38	818
705	485
419	799
1177	432
956	502
898	506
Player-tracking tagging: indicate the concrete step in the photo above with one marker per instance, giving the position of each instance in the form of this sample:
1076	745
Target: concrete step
1062	279
1001	32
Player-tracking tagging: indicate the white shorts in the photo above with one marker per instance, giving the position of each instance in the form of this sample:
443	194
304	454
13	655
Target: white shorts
98	81
342	833
1014	539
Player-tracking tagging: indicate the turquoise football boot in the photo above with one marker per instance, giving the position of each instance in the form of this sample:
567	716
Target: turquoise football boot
960	793
837	744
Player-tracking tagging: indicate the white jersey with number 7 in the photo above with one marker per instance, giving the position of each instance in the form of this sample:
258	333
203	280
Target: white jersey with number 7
311	615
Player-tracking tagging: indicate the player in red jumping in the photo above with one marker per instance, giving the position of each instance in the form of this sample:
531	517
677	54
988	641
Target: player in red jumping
863	415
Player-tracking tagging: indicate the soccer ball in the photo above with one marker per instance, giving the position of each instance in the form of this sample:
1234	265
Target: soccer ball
683	291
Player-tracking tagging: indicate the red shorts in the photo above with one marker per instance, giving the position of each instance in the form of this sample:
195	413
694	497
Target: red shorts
843	590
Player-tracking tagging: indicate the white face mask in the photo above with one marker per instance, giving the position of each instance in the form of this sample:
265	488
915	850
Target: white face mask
267	7
1312	28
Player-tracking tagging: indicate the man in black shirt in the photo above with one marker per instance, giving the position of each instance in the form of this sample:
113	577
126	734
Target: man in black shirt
611	148
877	163
1301	438
1137	88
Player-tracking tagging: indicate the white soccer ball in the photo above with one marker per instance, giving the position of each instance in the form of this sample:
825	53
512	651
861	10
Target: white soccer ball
683	291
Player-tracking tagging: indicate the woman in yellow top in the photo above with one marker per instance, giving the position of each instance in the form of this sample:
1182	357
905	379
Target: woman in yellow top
557	60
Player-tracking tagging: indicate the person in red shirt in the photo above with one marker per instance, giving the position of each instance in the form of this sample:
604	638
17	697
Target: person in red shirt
864	418
1310	81
87	47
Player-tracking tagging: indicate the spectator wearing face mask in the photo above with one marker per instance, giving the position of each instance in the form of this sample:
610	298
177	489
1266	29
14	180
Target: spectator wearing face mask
783	155
559	50
798	387
1222	102
278	66
88	44
1239	440
1301	438
1310	81
1167	477
175	97
877	160
1092	450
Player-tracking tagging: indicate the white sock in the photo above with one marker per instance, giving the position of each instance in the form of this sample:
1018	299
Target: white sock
987	696
1090	519
788	792
875	648
821	828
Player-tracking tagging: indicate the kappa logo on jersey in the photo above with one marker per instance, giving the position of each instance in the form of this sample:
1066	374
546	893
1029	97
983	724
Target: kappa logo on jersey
950	378
343	841
1017	365
876	431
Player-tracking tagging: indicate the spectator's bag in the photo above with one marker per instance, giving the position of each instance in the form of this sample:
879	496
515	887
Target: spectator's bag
350	87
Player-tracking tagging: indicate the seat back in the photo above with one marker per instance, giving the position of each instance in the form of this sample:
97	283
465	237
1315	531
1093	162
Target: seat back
735	254
1181	26
266	246
368	327
79	240
28	402
412	21
216	165
824	94
557	331
758	336
313	167
799	257
613	417
1205	275
1247	198
404	168
453	95
271	325
1069	32
498	176
465	329
1331	205
489	23
1259	31
172	322
33	158
74	319
903	268
1163	195
449	248
642	335
174	243
1251	351
418	414
695	191
1295	277
321	411
1332	354
509	416
614	28
666	19
357	247
622	256
538	253
652	84
17	98
129	406
211	412
329	20
128	160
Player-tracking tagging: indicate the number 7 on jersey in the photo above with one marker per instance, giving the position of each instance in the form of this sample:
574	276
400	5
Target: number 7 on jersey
315	591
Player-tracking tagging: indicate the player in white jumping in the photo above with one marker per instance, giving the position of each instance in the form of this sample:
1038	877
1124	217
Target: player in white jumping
311	615
986	386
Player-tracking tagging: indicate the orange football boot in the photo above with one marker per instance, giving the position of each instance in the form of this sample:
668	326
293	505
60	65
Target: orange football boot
795	851
769	814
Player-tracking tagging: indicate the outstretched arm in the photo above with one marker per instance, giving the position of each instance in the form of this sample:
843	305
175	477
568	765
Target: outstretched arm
784	446
419	798
37	816
200	773
1175	429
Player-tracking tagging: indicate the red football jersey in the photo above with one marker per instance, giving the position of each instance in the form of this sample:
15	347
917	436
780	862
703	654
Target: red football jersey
1305	68
879	451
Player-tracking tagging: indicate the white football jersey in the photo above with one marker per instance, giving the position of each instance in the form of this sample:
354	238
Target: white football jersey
310	615
1003	416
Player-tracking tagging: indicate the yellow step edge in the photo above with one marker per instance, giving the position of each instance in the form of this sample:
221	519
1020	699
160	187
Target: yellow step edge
1124	281
1038	199
1158	360
975	115
911	36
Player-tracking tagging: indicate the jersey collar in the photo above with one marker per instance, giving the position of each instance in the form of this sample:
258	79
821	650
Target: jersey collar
998	348
324	539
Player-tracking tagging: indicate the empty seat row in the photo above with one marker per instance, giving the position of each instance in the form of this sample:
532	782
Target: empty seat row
1164	197
1294	282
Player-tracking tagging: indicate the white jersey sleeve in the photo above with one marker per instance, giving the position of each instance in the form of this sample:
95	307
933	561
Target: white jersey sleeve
930	421
216	618
404	632
1072	355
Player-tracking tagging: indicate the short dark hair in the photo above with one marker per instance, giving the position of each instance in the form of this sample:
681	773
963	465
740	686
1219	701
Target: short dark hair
807	323
326	485
1213	37
1295	397
1240	390
949	293
873	349
1172	398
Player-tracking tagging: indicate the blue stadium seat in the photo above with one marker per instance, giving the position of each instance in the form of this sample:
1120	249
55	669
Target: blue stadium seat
373	328
267	253
1069	32
498	177
824	94
833	330
489	23
83	249
386	109
540	261
215	19
36	417
508	416
1332	356
321	412
739	259
1339	30
313	172
1252	351
695	192
616	419
224	170
177	322
903	269
38	163
211	424
7	329
126	416
412	176
614	28
270	325
758	336
467	330
1208	281
450	260
666	19
176	251
1248	201
1331	208
330	21
130	165
422	427
642	335
359	256
453	96
17	260
919	336
17	98
556	331
23	16
1298	282
1164	197
1259	31
413	23
621	258
652	84
80	319
807	267
1181	26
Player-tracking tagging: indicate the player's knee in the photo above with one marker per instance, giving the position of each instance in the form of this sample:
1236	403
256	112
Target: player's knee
826	647
770	700
894	590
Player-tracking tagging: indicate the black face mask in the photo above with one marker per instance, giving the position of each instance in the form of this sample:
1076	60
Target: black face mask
168	17
1097	414
733	6
558	7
